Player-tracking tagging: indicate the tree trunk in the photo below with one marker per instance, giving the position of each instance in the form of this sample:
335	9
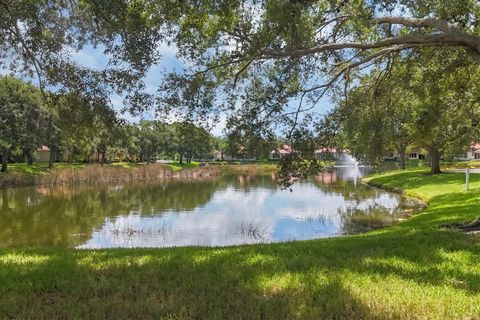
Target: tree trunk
402	152
5	162
435	160
29	156
51	159
181	158
221	155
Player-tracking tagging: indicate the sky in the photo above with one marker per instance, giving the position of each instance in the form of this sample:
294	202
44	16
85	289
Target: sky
95	58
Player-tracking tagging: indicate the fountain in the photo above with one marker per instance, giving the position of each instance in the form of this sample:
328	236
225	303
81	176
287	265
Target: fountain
350	160
351	171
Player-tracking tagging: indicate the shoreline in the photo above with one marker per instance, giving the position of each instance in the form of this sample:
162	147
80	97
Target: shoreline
110	173
367	181
104	173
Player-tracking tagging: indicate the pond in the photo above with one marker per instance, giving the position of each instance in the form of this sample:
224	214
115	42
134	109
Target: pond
225	210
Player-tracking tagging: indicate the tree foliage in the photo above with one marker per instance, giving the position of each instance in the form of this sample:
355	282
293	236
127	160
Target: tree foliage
20	119
431	102
266	63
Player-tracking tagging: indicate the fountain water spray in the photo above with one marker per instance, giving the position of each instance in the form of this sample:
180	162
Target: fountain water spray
350	160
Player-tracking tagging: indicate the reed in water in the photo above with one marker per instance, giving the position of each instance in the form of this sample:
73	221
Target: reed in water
97	173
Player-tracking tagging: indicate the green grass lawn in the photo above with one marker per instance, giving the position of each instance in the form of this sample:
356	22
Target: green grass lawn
38	168
464	164
416	269
42	168
126	165
176	166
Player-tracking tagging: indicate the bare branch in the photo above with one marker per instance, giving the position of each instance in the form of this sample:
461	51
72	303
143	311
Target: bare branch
439	24
453	40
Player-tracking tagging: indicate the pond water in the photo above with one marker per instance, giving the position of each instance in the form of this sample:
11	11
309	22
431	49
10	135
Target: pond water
226	210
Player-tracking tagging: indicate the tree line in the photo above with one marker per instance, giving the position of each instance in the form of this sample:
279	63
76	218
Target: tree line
74	128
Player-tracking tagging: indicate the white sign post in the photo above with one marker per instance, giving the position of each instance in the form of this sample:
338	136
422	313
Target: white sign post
467	178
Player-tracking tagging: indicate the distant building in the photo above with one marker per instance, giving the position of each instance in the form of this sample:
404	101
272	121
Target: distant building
411	154
416	154
279	153
330	153
43	154
473	153
219	155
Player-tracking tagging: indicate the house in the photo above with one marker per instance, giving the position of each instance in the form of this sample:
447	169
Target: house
473	153
279	153
411	154
43	154
416	154
220	155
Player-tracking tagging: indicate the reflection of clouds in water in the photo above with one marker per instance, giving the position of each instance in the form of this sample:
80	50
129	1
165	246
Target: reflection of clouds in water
214	224
235	215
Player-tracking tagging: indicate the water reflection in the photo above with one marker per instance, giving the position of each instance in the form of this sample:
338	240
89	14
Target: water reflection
218	211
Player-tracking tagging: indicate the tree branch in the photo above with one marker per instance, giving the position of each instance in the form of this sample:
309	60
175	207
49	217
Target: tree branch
439	24
452	40
352	65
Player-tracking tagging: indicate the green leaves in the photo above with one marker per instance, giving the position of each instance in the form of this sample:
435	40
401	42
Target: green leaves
21	120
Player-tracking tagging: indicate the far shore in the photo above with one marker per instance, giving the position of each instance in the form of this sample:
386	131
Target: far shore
119	172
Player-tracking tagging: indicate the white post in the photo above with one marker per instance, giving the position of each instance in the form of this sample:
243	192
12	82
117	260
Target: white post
467	178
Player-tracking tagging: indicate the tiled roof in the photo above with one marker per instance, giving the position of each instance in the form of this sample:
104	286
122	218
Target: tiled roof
475	146
285	149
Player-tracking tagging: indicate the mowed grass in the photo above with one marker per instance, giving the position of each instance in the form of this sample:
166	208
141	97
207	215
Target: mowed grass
421	184
177	166
38	168
417	269
465	164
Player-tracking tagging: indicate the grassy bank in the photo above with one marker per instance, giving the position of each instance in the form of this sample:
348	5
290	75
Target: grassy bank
419	164
176	166
414	270
80	173
21	174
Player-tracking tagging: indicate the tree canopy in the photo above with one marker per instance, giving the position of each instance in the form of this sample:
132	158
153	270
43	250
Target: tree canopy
20	118
265	65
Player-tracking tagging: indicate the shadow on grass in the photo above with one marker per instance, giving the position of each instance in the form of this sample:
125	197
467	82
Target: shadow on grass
312	279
